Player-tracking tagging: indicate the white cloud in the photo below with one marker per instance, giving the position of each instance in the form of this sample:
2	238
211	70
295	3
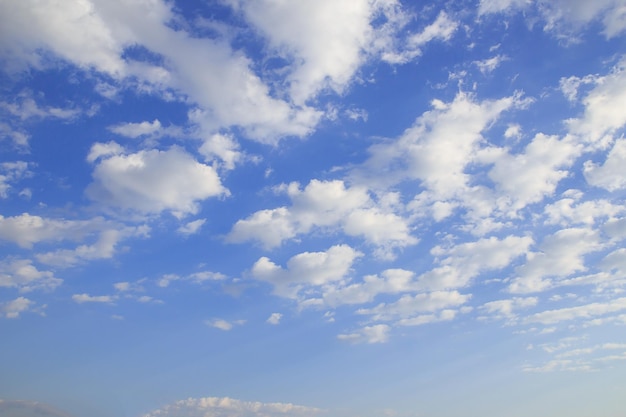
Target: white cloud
25	107
223	147
408	306
274	318
609	175
23	275
86	298
563	16
529	176
95	34
560	255
437	148
495	6
461	263
306	269
11	172
325	41
568	211
441	29
378	333
488	65
500	309
327	204
12	309
192	227
135	130
390	281
224	324
26	230
229	407
153	181
103	248
602	115
584	311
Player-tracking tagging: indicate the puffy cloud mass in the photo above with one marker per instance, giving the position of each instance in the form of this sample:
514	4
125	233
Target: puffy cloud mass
306	269
229	407
152	181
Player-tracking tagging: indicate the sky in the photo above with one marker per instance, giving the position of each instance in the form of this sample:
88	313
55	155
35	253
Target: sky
355	208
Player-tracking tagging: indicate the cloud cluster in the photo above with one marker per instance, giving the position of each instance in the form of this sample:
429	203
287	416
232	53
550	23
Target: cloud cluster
229	407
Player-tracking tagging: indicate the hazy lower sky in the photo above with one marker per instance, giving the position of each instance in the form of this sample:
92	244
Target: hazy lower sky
333	208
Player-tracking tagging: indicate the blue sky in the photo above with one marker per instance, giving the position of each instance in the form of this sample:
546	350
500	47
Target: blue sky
245	208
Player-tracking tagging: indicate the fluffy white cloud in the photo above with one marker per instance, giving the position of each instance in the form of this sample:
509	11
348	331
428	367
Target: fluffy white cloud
584	311
223	147
192	227
500	309
152	181
602	115
25	107
224	324
229	407
569	211
378	333
408	306
97	33
441	29
327	204
11	172
27	230
274	318
560	255
23	275
86	298
609	175
390	281
461	263
12	309
563	15
306	269
437	149
135	130
325	41
103	248
529	176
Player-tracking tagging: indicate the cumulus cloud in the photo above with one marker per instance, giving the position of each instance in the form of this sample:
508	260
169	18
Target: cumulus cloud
224	325
105	247
10	173
409	307
585	311
229	407
306	269
442	29
378	333
602	115
296	31
86	298
25	276
12	309
326	204
609	175
461	263
531	175
506	309
565	16
95	34
560	255
152	181
437	149
26	230
192	227
135	130
274	318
